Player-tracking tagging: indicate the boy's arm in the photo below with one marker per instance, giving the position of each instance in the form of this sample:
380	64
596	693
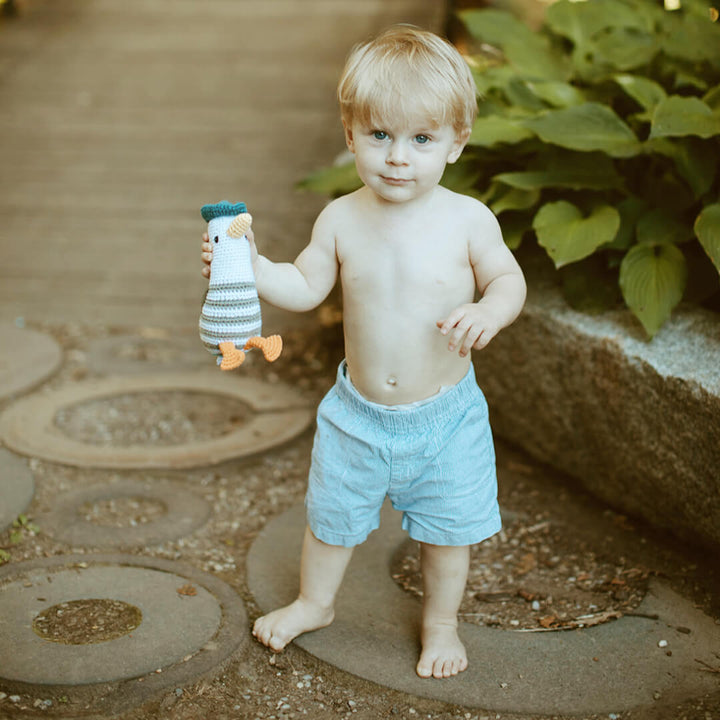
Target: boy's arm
500	282
304	284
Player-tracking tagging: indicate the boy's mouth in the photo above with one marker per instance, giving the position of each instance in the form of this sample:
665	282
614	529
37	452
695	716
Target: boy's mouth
395	181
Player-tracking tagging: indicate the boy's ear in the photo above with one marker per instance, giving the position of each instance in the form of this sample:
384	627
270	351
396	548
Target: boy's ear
348	136
461	139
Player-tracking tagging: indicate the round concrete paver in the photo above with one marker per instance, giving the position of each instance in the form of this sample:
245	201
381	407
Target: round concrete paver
130	354
27	358
17	487
280	414
609	668
191	622
182	512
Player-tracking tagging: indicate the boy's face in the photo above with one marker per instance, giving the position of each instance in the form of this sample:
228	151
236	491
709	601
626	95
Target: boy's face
402	160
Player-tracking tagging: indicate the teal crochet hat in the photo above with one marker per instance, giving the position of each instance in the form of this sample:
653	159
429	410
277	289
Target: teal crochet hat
222	209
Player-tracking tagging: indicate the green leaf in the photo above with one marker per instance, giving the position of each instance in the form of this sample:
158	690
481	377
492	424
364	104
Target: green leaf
495	130
646	92
528	52
514	226
587	127
555	93
630	209
336	180
625	48
461	176
579	21
4	557
707	229
652	281
676	116
658	226
588	171
712	98
515	200
694	38
695	160
567	236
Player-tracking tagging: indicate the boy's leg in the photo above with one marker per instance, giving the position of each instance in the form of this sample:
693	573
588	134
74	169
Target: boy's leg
445	571
321	571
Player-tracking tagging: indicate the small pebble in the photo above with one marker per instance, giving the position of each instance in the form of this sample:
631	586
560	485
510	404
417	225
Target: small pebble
535	605
662	643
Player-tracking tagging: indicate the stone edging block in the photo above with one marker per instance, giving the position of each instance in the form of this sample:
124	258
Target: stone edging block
637	423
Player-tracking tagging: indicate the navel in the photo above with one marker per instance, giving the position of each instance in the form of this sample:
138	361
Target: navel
392	381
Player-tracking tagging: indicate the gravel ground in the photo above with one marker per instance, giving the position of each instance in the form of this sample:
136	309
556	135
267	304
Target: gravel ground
563	560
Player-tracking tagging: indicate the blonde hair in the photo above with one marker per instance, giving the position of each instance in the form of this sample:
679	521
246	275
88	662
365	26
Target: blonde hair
406	70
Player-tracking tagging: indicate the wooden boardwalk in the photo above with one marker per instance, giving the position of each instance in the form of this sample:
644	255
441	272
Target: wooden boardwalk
118	120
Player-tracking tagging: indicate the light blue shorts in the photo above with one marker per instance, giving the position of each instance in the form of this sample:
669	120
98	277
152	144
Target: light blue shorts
436	463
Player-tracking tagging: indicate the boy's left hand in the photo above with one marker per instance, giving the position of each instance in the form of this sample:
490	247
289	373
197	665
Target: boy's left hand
470	327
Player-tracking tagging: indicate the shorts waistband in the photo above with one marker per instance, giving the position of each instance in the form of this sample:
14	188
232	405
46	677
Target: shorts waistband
452	402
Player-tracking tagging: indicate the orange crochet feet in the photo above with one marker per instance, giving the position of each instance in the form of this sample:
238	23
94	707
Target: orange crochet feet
231	357
271	346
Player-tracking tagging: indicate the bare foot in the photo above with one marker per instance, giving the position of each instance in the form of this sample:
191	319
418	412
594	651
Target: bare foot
278	628
443	655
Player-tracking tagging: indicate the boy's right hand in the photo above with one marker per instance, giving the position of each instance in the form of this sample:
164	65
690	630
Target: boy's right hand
206	255
207	251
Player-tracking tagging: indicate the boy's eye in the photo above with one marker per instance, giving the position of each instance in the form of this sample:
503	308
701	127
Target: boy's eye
379	134
422	139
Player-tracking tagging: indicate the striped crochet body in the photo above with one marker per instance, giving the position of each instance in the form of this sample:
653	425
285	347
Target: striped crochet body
231	311
230	320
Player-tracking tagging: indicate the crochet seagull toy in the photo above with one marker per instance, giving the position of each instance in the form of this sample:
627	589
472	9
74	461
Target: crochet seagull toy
230	321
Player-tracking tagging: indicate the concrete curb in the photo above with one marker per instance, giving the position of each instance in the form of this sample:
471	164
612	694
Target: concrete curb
637	423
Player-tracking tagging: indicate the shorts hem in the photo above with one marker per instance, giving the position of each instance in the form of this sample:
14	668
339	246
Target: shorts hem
333	538
451	539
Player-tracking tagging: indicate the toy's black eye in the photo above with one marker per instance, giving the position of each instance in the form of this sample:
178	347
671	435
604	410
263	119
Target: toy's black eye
217	239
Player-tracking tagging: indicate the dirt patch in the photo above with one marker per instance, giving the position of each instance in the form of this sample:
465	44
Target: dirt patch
152	419
531	577
553	533
83	622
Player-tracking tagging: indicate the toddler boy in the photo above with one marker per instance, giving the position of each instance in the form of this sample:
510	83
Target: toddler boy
405	418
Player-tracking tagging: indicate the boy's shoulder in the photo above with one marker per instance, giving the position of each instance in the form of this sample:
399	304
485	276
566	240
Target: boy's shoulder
466	206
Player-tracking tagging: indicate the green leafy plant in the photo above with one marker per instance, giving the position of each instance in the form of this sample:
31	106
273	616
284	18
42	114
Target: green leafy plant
599	136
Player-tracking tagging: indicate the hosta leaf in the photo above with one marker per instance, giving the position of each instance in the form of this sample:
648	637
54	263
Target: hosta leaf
693	38
528	52
587	127
707	229
712	98
625	48
556	93
461	176
579	21
570	178
646	92
695	160
652	281
676	116
515	200
660	226
494	130
567	236
336	180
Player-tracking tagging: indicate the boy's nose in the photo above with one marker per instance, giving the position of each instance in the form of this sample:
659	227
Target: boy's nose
396	154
